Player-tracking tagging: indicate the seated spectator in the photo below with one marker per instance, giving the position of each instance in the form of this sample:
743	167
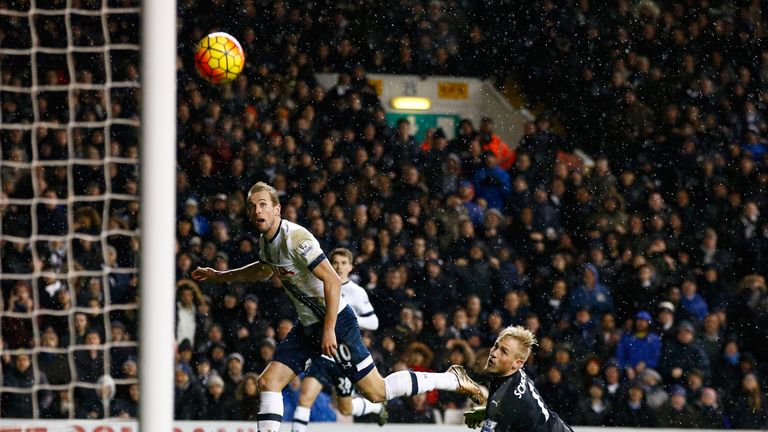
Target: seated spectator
492	182
413	410
683	355
20	375
54	365
562	396
234	372
247	398
591	293
594	410
693	305
676	413
655	395
708	406
748	408
633	412
218	403
189	398
127	407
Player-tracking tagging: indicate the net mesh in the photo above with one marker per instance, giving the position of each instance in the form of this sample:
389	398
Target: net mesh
68	234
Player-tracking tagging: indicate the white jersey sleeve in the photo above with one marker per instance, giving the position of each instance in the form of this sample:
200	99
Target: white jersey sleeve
305	249
357	298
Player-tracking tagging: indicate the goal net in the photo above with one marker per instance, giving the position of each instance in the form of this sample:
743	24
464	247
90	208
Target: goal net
69	134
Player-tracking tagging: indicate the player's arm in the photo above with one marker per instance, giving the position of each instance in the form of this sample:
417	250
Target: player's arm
253	272
332	291
366	316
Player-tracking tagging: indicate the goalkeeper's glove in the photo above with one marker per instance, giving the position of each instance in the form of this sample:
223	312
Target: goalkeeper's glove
474	417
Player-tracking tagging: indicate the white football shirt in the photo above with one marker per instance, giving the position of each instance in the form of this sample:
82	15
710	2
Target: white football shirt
293	252
357	298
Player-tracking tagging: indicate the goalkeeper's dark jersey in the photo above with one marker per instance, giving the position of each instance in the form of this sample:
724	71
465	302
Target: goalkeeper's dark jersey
515	405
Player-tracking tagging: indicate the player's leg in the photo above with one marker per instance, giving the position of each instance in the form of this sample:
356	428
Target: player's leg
359	406
345	405
310	388
357	364
408	383
289	360
271	382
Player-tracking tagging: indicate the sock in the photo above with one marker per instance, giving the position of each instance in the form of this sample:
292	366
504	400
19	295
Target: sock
270	412
409	383
300	419
362	406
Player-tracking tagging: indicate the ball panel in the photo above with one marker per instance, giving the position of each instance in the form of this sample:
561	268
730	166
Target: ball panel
217	54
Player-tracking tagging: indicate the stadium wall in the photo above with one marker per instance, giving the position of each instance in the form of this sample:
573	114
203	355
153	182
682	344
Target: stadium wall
191	426
465	97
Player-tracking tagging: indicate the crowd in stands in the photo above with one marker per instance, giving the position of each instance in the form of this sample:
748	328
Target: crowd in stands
642	275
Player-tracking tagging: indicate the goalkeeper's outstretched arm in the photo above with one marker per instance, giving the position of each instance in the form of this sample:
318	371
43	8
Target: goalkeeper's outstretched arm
253	272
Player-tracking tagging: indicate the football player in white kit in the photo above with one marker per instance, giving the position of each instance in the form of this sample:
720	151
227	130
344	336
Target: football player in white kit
290	252
324	372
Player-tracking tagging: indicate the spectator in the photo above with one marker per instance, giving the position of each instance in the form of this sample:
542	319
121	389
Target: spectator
492	182
187	317
556	390
666	321
247	398
17	331
492	143
655	395
676	412
708	406
693	305
54	365
189	399
218	403
89	363
20	375
683	355
748	408
583	335
591	293
634	412
413	410
641	349
234	372
593	411
615	386
127	407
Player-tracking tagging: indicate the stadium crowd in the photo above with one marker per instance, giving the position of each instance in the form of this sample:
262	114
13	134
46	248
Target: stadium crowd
643	276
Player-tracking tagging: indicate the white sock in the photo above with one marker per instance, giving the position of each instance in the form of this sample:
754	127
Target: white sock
300	419
409	383
362	406
270	411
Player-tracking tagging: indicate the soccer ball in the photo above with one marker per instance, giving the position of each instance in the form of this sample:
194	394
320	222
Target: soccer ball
219	58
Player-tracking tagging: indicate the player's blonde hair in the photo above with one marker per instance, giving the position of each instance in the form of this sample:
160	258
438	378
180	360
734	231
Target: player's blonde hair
523	336
343	252
261	187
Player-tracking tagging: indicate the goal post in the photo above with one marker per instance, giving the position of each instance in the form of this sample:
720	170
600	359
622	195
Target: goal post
69	129
158	214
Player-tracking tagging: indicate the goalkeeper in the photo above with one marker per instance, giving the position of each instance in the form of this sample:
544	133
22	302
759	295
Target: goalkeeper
514	403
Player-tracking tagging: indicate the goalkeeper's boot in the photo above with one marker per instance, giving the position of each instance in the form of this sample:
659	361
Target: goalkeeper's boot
467	386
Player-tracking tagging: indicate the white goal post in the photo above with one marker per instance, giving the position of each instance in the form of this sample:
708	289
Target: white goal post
158	213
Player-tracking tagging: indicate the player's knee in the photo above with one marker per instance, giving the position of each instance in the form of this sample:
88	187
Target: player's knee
375	394
264	383
305	401
345	409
